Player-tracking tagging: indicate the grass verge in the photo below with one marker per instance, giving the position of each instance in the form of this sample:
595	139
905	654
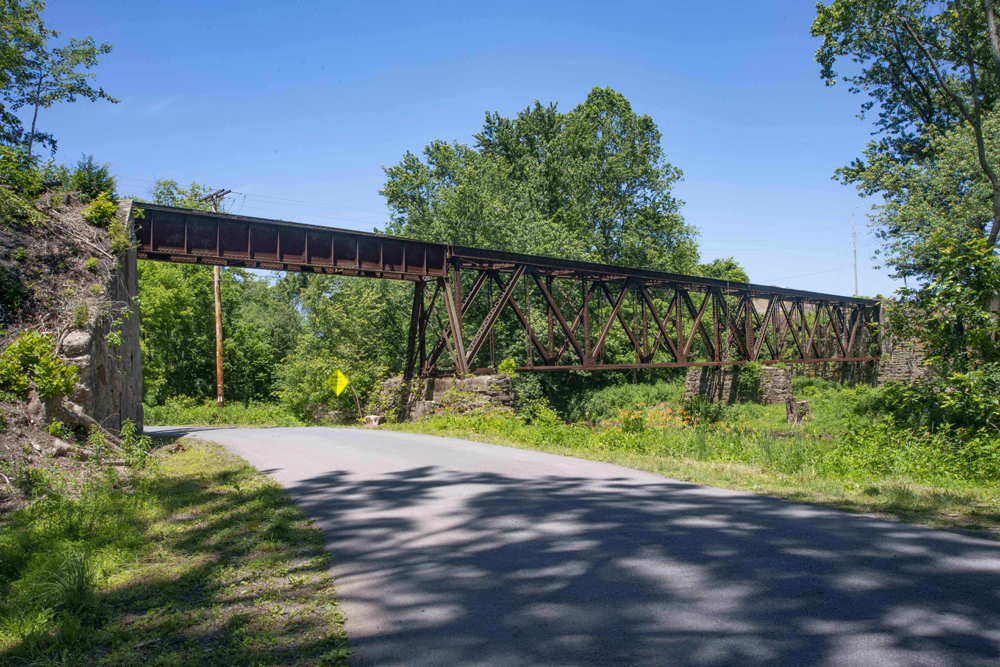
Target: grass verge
184	411
199	560
802	468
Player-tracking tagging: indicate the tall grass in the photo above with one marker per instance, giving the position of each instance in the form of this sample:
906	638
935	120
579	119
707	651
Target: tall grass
187	411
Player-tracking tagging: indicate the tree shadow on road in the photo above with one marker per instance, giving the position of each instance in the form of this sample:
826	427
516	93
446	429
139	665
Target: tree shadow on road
476	568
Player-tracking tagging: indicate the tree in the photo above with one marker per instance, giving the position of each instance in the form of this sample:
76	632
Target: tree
590	184
167	193
21	34
56	77
35	76
928	68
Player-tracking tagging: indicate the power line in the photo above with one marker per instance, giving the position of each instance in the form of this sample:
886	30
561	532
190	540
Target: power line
803	275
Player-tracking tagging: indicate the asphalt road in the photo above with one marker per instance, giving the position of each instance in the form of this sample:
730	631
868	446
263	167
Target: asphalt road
453	553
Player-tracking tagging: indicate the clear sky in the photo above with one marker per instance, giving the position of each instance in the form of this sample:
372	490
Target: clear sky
299	105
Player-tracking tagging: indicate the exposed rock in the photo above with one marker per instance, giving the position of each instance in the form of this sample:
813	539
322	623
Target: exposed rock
374	420
471	394
76	343
722	384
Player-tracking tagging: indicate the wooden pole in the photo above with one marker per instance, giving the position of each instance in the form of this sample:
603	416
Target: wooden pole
217	275
218	337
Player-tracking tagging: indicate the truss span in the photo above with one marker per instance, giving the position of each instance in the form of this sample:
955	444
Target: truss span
571	315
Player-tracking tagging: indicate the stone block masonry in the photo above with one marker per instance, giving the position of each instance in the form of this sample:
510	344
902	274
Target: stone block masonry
723	384
109	388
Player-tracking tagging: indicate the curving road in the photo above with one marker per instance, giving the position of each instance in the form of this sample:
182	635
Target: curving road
453	553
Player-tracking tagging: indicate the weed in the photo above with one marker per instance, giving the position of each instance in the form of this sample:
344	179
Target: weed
59	430
96	289
19	254
188	411
100	211
31	357
92	264
81	315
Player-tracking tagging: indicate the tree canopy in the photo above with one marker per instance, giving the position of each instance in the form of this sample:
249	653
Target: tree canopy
589	184
35	75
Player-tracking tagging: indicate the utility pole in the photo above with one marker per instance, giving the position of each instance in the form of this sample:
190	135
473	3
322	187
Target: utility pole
854	239
217	274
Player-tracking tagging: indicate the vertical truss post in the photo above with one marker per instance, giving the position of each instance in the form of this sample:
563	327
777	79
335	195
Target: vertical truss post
411	352
679	325
586	323
548	311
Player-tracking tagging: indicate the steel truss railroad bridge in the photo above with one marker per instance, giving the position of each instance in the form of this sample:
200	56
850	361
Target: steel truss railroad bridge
574	315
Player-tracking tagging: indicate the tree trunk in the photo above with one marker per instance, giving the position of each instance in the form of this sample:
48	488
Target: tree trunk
34	119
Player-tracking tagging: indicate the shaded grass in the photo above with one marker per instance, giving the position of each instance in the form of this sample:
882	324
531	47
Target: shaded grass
201	561
801	467
184	411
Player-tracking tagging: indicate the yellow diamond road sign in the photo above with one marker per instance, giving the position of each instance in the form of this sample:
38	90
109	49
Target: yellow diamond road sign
340	382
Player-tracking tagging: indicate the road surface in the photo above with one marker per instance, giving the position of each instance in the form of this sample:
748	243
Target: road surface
453	553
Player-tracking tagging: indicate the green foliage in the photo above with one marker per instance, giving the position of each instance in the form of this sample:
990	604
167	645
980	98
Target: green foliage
750	378
589	184
964	405
356	326
21	34
100	211
188	411
260	324
168	193
23	182
91	264
724	269
59	430
951	314
81	314
91	180
18	172
508	367
607	402
31	358
700	410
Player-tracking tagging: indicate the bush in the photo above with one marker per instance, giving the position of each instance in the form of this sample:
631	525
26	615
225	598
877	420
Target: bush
183	410
18	173
606	403
23	182
31	358
100	211
966	402
91	179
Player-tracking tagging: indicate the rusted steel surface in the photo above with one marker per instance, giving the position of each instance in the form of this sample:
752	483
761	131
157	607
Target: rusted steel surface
180	235
572	315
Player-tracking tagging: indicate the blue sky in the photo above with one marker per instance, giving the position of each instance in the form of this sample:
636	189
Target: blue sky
299	105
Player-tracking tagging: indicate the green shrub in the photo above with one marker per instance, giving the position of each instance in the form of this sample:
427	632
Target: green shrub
966	401
183	410
606	403
92	264
91	179
31	357
100	211
701	410
96	289
80	315
59	430
18	173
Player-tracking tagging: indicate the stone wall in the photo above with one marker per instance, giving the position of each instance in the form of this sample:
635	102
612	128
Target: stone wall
722	384
470	394
109	388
